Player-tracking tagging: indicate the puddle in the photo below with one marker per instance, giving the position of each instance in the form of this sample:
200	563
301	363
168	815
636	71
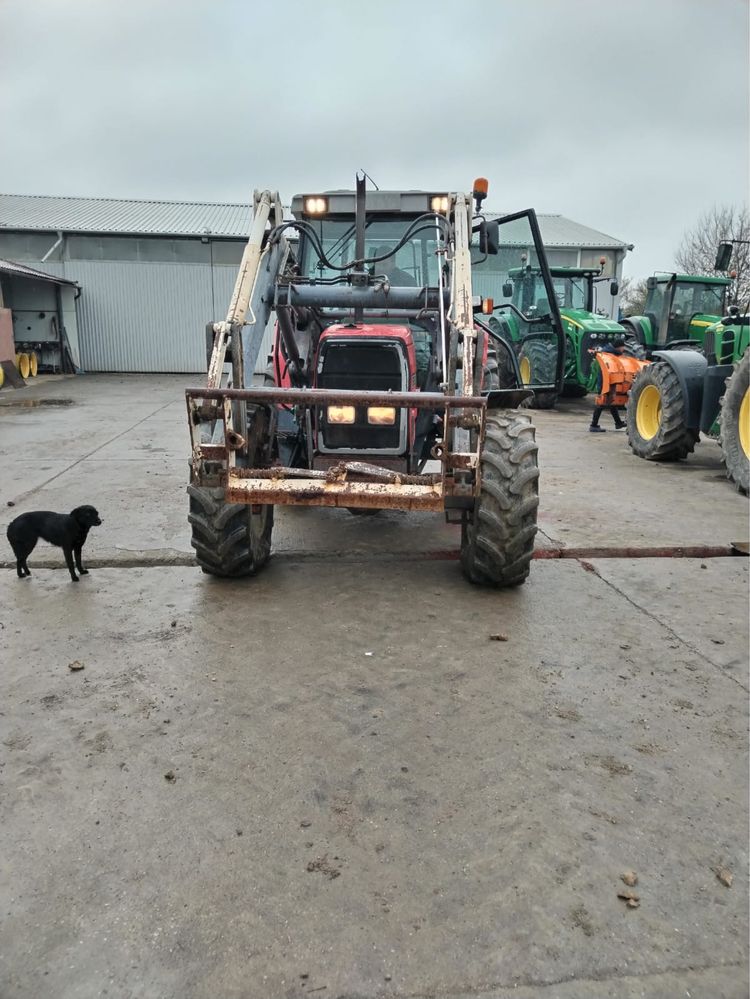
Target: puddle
33	403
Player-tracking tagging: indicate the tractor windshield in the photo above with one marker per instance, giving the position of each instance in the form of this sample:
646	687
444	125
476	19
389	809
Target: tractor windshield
571	292
414	264
693	297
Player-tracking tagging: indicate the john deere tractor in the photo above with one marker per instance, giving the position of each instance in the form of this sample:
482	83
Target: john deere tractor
701	386
679	309
585	329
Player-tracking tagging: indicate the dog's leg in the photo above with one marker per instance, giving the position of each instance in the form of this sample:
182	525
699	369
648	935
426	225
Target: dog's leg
19	568
77	553
68	552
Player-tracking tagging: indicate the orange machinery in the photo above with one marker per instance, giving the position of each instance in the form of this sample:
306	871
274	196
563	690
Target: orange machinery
618	372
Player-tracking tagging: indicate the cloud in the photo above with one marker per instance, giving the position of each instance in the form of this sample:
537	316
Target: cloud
632	118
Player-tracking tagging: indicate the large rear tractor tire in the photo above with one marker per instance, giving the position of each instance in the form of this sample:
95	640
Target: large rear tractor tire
734	423
497	544
230	540
656	416
538	364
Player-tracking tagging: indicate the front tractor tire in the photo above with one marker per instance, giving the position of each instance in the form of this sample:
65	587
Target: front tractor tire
497	543
656	416
734	423
538	364
230	539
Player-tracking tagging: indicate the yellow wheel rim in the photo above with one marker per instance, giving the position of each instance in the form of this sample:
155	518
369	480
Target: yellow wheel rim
22	363
525	367
2	377
648	412
745	423
33	364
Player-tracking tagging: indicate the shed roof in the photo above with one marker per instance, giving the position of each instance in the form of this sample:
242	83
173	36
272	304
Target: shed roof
21	270
121	216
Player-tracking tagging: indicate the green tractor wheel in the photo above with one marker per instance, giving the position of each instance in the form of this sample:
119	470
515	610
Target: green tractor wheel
538	365
572	388
656	416
734	423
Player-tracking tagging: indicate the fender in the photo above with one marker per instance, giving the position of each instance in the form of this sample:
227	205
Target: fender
640	327
690	368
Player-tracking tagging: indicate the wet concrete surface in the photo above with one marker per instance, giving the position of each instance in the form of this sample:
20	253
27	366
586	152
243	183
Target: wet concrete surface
124	446
330	780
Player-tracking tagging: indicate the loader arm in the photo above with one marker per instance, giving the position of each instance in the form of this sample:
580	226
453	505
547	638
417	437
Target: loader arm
252	299
461	315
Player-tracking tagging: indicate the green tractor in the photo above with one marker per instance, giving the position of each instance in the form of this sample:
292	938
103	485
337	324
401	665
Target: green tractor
684	393
700	382
584	328
679	310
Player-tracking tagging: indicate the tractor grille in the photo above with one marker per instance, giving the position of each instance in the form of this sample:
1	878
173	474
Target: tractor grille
362	366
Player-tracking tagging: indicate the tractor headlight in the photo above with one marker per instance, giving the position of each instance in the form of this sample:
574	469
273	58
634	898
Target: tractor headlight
381	415
340	414
440	203
315	205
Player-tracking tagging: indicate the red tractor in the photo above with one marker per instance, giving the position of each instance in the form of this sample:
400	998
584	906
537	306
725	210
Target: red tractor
386	386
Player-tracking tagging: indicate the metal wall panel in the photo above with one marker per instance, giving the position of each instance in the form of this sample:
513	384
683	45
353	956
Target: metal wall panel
149	316
142	316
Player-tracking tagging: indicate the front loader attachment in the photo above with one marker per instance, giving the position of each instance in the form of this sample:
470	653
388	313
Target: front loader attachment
229	460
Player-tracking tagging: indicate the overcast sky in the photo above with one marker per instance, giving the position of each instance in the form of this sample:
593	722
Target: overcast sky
630	116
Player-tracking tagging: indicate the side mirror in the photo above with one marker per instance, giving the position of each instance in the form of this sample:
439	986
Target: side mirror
614	288
723	256
651	283
489	237
507	290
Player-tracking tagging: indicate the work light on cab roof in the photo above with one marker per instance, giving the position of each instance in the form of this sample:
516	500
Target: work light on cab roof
316	205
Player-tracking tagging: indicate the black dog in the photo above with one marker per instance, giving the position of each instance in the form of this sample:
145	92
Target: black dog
66	530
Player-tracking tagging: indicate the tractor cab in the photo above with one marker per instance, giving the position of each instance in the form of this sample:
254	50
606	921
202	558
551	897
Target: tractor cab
680	308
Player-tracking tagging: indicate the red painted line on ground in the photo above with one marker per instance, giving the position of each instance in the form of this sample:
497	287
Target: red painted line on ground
638	551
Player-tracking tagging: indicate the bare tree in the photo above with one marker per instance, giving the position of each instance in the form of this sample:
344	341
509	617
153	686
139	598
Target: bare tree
633	293
697	251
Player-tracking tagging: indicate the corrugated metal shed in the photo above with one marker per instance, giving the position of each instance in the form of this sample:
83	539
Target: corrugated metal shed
124	217
557	230
197	218
20	270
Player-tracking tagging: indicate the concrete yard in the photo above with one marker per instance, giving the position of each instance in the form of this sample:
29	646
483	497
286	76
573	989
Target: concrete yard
367	795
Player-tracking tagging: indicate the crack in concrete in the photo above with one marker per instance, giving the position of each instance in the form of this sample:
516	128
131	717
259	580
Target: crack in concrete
30	492
533	983
552	541
588	567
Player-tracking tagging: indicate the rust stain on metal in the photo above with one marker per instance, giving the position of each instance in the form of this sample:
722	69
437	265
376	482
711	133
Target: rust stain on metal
322	397
235	441
341	493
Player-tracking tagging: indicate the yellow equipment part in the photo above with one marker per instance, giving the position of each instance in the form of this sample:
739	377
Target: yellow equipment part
744	423
525	368
33	364
2	377
648	412
23	365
